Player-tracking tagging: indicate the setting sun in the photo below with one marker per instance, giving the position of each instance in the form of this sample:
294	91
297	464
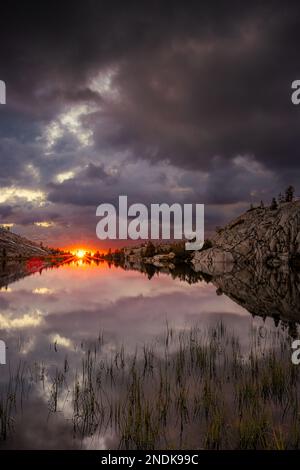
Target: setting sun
80	253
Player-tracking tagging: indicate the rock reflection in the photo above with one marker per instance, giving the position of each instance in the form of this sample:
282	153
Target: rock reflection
264	292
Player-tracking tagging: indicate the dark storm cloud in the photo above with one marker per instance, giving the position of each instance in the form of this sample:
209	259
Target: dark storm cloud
5	210
195	81
218	95
96	171
13	157
192	86
38	216
93	185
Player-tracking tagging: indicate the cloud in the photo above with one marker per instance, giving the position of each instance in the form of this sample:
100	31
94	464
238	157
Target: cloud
16	193
61	341
42	291
44	224
5	210
181	101
27	321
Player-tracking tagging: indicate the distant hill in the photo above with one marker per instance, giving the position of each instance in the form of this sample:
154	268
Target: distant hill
13	246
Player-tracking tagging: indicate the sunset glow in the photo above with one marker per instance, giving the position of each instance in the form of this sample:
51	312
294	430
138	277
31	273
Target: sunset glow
80	253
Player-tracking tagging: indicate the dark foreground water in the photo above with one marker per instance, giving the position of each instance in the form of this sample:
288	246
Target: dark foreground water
75	336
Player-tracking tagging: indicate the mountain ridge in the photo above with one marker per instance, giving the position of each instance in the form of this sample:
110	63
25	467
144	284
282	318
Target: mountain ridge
14	246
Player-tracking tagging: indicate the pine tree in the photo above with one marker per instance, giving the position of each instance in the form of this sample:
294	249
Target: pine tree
274	204
289	194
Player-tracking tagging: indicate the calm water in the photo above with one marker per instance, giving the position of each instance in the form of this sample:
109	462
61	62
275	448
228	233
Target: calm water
49	320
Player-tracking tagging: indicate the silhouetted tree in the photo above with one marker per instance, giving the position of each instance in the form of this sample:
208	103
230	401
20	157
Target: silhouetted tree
289	194
274	204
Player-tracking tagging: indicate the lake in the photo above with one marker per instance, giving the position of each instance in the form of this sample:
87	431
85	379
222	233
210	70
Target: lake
64	327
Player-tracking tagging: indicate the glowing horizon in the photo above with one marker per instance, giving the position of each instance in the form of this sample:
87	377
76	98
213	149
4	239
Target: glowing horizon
81	250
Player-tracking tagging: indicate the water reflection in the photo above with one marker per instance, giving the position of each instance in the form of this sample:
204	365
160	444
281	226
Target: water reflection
263	292
52	313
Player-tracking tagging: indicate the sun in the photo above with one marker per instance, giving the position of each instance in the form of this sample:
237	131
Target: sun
80	253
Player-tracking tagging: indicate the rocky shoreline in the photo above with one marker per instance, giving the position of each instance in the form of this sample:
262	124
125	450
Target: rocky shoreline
267	236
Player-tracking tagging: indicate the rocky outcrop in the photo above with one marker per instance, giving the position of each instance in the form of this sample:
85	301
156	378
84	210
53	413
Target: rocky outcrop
15	246
259	236
161	255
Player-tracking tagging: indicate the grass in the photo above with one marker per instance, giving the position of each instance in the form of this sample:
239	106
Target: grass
194	389
197	388
12	395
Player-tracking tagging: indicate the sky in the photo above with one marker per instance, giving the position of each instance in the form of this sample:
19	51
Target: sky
185	102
